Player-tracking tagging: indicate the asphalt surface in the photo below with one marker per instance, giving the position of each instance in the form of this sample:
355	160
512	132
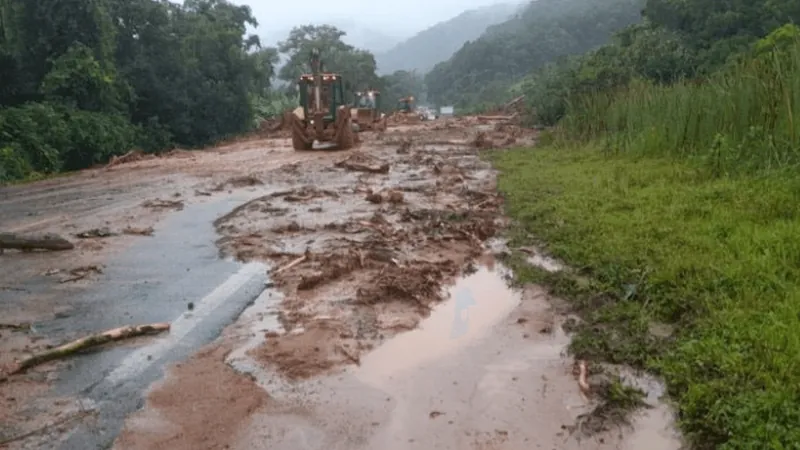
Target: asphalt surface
154	281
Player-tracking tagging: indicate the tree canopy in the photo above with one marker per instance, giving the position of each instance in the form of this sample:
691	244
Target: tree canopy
482	69
82	80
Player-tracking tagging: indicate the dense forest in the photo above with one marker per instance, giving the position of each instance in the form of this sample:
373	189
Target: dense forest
438	42
482	70
81	81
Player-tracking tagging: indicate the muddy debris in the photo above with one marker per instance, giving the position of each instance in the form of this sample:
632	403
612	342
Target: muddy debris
389	196
360	162
405	147
315	350
177	205
131	156
137	231
79	273
103	232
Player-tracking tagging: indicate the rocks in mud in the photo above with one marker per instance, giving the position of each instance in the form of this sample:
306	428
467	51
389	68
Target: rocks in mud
360	162
238	182
405	147
390	196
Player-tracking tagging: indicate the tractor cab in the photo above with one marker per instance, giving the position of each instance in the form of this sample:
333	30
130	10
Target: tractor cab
405	104
369	99
322	114
366	111
329	99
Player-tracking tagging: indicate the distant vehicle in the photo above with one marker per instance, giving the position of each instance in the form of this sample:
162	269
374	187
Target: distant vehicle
426	113
446	110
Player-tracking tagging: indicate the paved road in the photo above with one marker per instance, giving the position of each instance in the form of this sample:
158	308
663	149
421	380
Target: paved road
153	281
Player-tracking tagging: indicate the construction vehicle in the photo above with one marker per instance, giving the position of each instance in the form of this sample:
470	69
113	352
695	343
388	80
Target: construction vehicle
406	111
323	115
405	105
366	111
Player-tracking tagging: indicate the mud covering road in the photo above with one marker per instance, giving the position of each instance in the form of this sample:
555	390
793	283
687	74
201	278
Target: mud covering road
341	300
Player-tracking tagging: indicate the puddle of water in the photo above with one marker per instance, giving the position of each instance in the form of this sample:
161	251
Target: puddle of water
538	259
476	303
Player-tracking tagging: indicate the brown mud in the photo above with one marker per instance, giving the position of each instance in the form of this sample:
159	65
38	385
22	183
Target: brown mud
388	324
384	228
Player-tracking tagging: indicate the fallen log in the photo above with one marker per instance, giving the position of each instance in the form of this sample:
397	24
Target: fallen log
52	242
116	334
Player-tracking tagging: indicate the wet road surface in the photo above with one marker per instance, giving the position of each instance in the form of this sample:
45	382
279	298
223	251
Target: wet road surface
153	281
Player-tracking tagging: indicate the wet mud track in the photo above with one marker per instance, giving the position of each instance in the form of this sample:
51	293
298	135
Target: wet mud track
377	317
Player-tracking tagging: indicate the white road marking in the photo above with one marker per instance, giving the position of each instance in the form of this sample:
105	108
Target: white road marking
144	357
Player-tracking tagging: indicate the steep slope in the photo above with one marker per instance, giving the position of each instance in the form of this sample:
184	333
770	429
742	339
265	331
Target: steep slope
433	45
544	31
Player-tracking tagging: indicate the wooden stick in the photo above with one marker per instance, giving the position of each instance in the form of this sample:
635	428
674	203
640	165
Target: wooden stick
116	334
293	263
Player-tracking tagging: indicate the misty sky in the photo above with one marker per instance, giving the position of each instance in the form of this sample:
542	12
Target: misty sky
399	18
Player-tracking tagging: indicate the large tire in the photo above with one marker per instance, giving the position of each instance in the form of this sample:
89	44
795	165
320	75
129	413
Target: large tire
300	140
344	136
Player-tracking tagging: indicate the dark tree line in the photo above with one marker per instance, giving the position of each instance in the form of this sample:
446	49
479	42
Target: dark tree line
84	79
557	50
482	70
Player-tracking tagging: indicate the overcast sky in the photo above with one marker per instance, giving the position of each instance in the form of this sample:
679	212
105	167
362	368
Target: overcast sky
400	18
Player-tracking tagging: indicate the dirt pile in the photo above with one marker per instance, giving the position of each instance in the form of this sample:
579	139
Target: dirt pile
182	412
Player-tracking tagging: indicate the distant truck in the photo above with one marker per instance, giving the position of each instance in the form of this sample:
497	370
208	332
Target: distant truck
446	111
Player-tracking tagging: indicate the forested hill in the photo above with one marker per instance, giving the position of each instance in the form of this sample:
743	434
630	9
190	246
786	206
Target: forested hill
544	31
82	81
435	44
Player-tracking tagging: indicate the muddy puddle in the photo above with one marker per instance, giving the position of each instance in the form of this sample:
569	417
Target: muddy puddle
486	370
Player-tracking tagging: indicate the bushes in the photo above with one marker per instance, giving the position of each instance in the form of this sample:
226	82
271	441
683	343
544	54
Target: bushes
744	118
46	138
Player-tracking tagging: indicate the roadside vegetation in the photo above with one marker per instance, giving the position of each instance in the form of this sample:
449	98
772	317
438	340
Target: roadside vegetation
670	188
81	82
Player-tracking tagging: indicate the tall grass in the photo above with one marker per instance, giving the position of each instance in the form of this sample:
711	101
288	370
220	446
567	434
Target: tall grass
743	119
717	257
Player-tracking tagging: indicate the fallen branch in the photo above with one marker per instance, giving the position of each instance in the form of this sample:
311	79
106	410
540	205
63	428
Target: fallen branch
81	273
116	334
294	263
52	242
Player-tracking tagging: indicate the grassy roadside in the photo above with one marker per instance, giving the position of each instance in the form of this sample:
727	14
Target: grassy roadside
654	241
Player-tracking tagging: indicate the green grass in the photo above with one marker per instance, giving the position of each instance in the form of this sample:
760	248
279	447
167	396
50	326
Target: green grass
654	241
680	205
743	119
